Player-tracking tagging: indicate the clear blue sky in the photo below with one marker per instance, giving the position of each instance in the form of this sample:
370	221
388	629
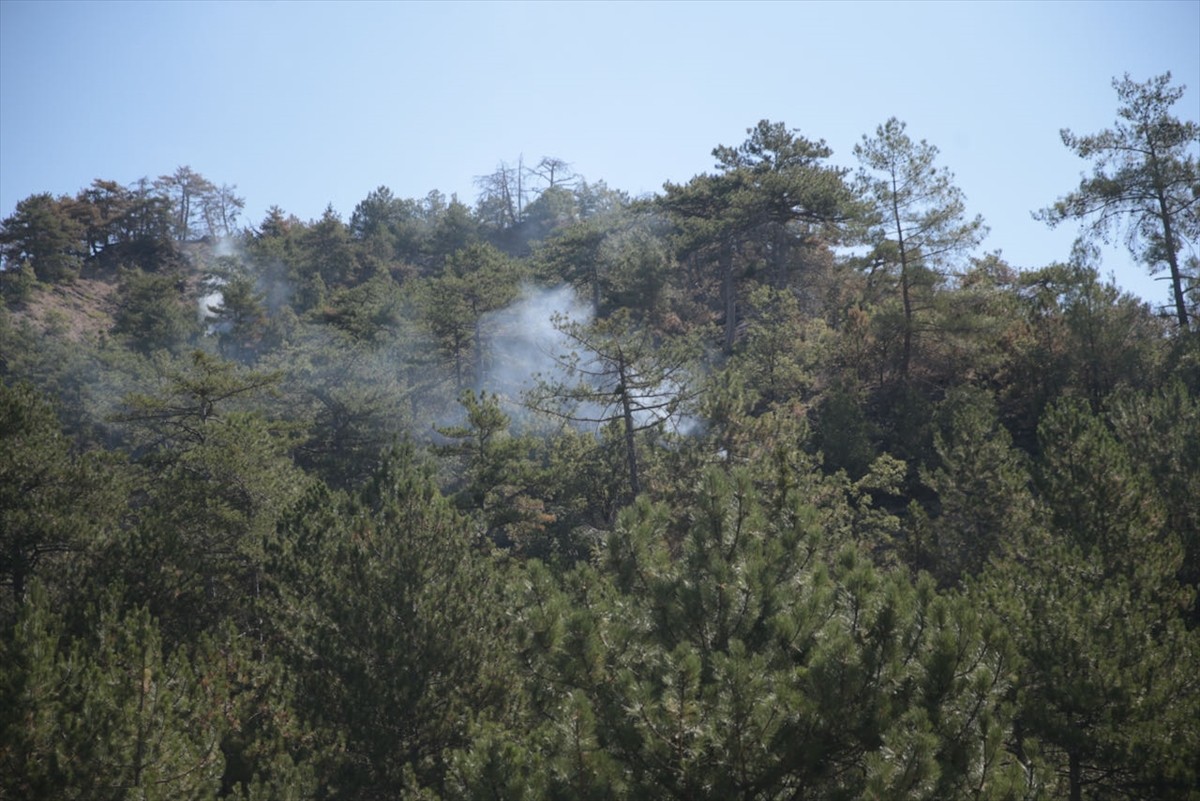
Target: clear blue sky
307	104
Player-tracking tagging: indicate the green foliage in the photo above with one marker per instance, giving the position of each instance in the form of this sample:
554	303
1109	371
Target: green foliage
215	481
391	619
1071	334
79	376
573	256
553	209
42	232
153	313
1101	500
1145	180
585	484
350	401
769	189
982	486
973	326
735	654
54	504
366	312
327	257
131	226
393	230
1106	689
18	283
620	259
239	319
493	475
108	715
274	253
924	528
843	431
618	372
1161	433
635	264
477	280
454	229
114	713
782	347
918	225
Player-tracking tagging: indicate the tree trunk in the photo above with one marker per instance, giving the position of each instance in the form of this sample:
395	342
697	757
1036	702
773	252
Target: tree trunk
635	486
185	213
1075	777
478	352
782	248
458	367
20	571
906	354
595	287
1173	260
729	295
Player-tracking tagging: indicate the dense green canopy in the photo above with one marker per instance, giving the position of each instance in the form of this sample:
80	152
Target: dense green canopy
768	487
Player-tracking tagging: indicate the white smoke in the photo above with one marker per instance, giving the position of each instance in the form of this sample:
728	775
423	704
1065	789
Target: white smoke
524	342
227	246
527	348
228	257
211	298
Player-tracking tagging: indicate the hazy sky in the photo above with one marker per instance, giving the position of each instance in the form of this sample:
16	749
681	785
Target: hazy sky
307	104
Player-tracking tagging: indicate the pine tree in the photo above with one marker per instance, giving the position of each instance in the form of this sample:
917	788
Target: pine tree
477	280
57	508
492	475
216	477
390	616
730	652
1146	177
618	373
920	224
1105	690
983	494
153	312
109	715
770	195
42	233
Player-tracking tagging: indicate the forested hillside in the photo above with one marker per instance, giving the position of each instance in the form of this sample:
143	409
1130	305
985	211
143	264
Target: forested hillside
772	485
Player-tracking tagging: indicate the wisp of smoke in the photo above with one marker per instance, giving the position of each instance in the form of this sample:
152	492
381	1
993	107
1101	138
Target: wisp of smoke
270	280
227	246
527	347
525	344
209	300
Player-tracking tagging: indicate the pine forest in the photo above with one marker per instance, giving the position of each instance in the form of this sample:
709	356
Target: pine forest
770	485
